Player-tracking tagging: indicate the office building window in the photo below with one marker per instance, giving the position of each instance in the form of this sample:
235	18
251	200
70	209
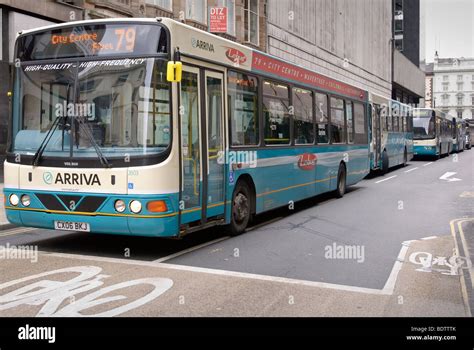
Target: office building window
472	100
459	100
164	4
197	10
460	86
251	21
460	114
445	78
460	77
445	87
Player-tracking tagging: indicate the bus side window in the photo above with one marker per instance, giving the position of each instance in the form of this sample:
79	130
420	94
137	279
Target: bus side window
322	124
360	124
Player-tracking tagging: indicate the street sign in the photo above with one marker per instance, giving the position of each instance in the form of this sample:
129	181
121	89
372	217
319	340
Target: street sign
218	19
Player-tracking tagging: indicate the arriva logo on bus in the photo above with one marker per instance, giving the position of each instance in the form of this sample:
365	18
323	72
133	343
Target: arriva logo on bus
71	179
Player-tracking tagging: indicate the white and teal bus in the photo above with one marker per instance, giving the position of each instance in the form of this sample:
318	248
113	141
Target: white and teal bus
150	127
459	135
432	133
391	125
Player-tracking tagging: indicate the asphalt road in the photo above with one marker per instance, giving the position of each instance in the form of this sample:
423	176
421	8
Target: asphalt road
390	221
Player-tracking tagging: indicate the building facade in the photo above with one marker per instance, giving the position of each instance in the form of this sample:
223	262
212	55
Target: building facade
453	86
408	80
352	41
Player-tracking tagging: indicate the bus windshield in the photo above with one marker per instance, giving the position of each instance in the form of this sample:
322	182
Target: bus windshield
423	128
123	105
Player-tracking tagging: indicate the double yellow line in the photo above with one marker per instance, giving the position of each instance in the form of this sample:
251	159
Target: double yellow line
457	223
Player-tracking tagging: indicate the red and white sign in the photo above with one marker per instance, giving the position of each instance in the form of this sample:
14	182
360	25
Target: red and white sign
307	161
289	71
218	19
235	56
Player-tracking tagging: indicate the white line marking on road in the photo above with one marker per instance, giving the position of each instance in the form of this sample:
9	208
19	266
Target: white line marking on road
411	170
446	176
189	250
387	290
388	178
427	164
397	266
428	238
17	231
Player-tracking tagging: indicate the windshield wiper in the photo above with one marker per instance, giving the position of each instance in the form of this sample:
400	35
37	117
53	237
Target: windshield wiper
103	160
42	147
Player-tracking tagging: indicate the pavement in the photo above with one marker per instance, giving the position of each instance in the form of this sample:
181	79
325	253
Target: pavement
413	227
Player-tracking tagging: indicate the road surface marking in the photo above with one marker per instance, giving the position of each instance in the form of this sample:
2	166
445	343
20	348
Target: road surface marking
387	290
466	248
447	176
428	238
189	250
397	266
388	178
407	171
17	231
427	164
52	294
463	281
451	266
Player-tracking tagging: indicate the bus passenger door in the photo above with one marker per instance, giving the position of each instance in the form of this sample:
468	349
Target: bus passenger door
215	171
191	154
376	134
202	145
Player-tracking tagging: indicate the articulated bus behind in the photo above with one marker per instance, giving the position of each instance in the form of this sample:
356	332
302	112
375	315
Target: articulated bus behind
432	133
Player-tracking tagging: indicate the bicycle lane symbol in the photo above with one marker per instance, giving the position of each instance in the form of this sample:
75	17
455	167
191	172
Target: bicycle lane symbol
51	294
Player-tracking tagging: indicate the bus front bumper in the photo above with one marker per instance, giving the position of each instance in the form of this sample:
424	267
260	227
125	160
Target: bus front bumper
425	151
103	221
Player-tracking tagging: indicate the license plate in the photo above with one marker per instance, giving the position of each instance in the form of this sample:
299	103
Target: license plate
72	226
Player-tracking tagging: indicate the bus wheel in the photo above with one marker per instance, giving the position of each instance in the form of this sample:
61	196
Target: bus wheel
384	162
241	208
341	181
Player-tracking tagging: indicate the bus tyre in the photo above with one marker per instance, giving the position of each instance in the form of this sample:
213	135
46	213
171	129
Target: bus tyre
384	162
341	181
241	208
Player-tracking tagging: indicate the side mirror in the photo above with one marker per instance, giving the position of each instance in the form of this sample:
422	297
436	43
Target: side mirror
174	71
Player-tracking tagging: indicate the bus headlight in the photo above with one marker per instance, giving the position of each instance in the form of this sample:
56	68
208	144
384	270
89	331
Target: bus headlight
135	206
25	200
14	200
120	206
